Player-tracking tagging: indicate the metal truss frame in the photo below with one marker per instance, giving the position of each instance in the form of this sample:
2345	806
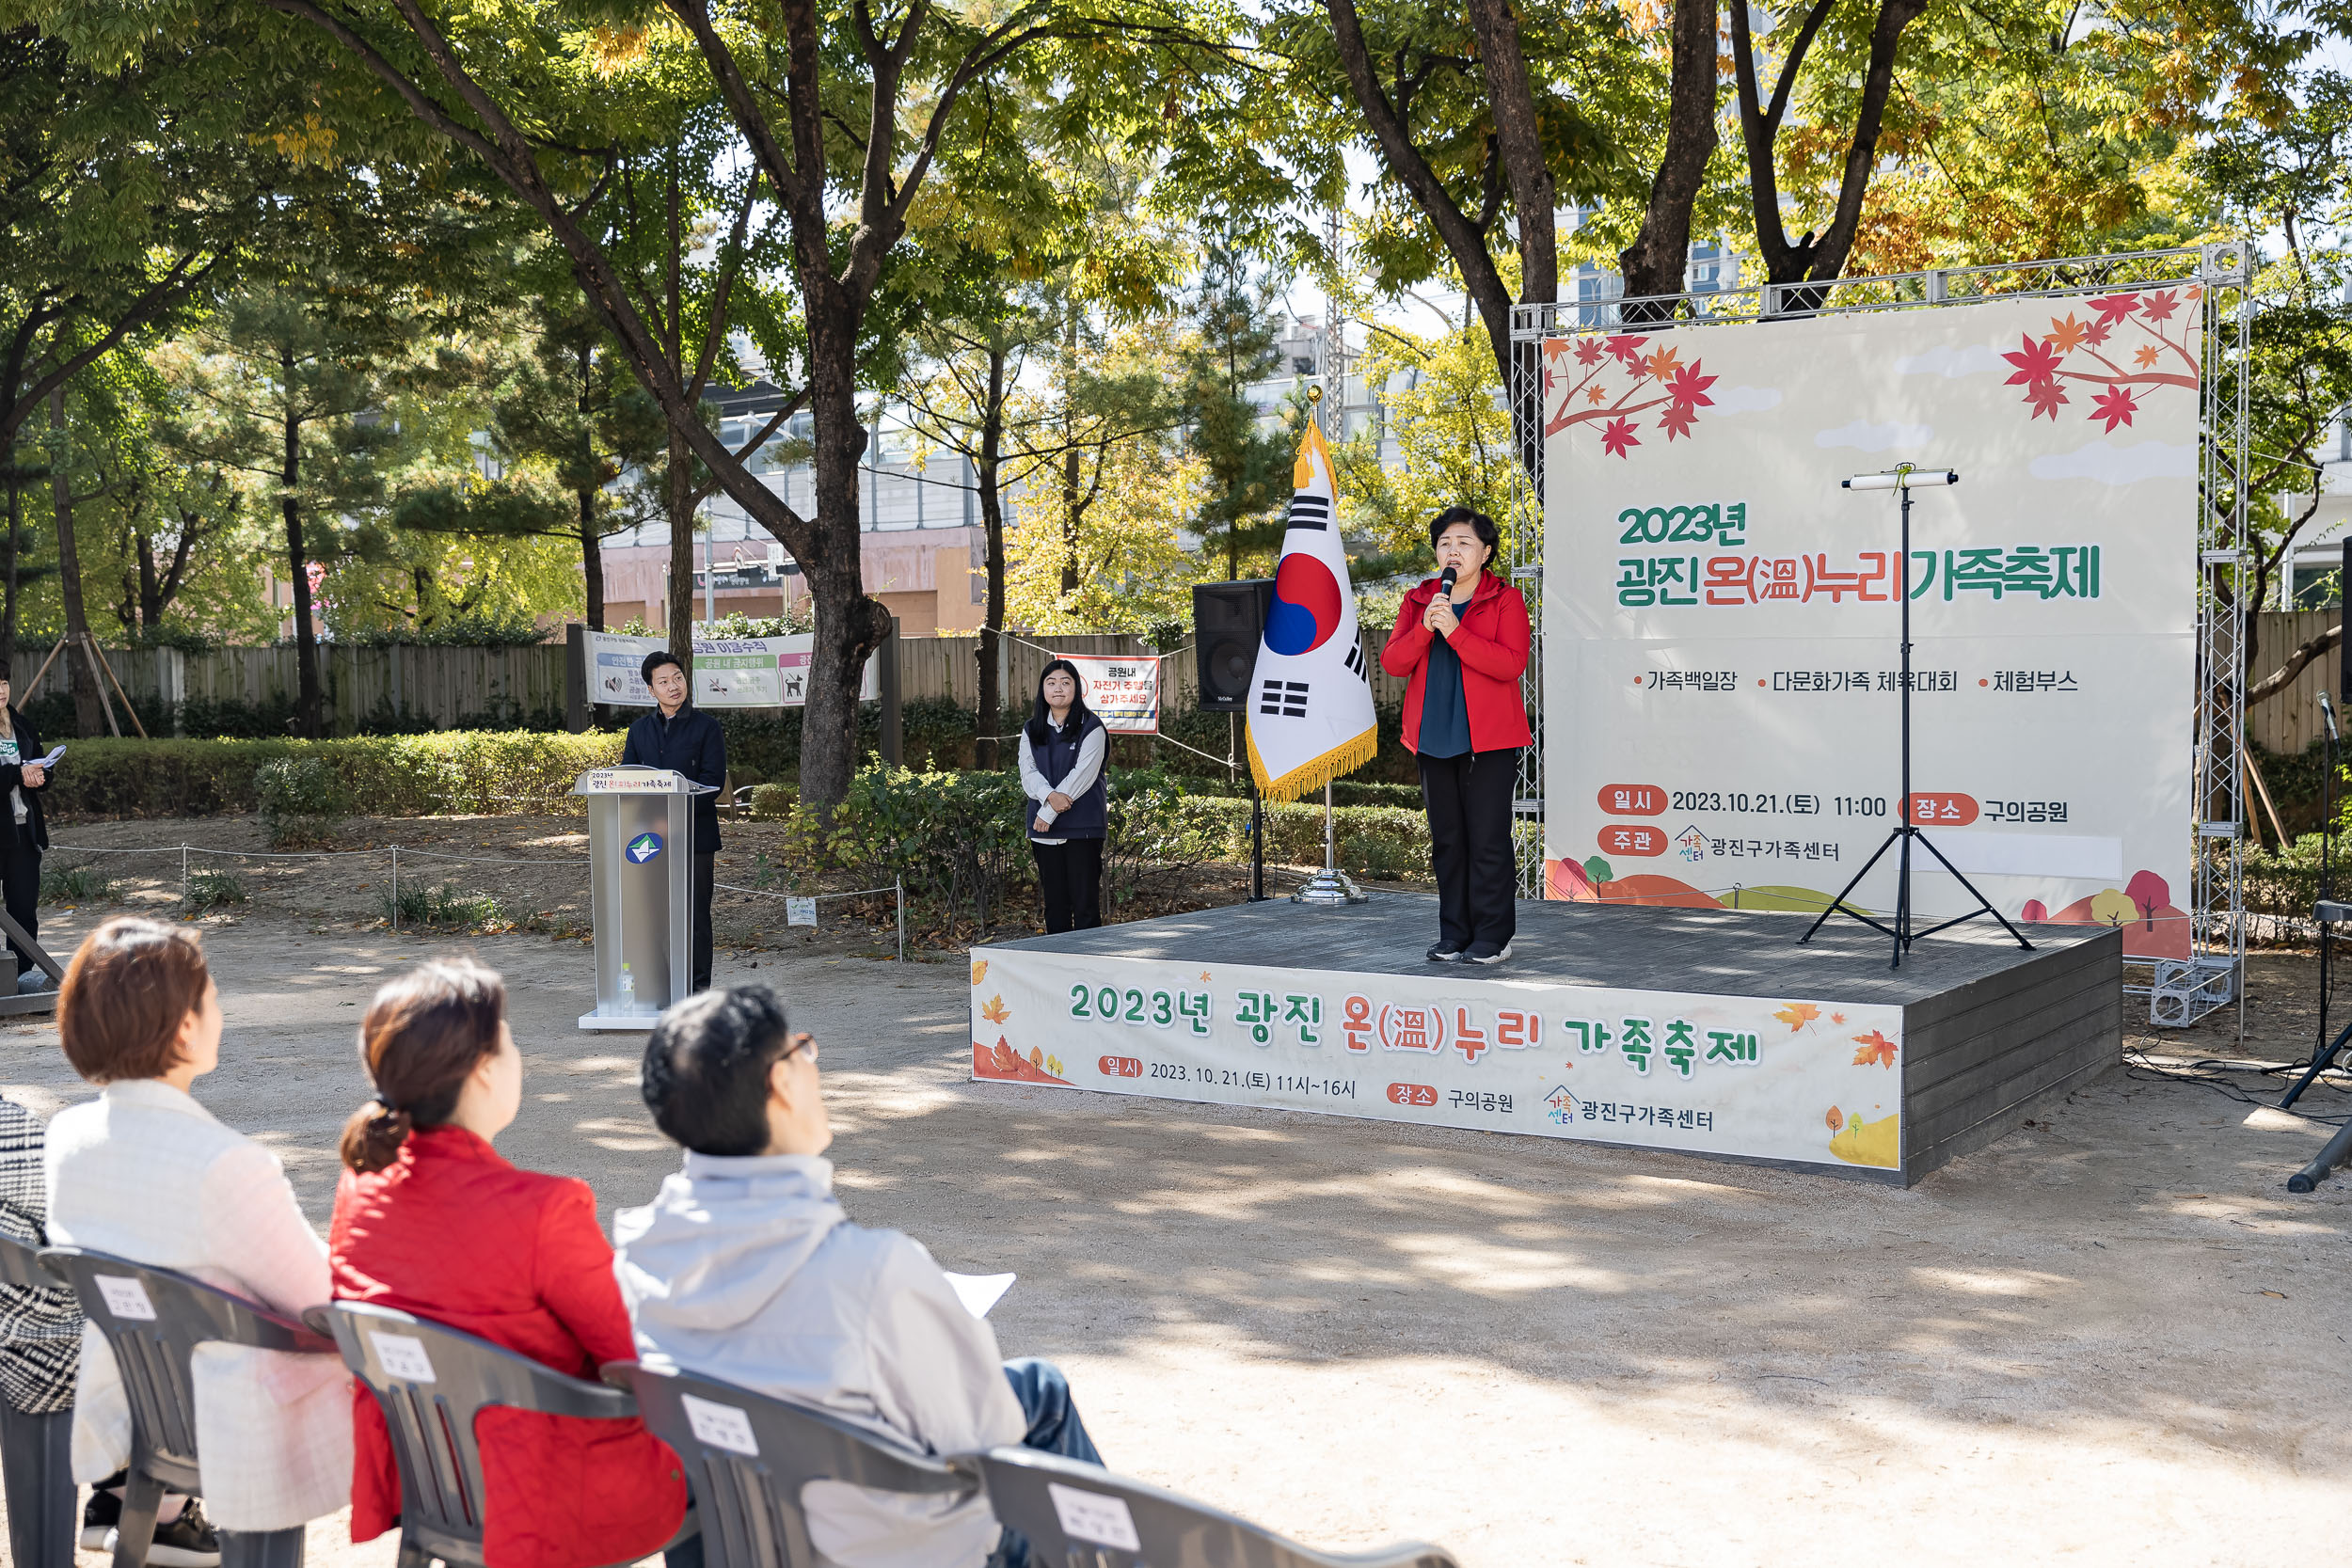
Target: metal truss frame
2179	990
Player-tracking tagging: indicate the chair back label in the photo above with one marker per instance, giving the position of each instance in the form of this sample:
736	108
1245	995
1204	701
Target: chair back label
721	1426
1095	1517
402	1355
126	1297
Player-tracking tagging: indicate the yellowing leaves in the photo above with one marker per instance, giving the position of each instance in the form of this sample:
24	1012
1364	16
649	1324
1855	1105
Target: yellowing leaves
613	50
1798	1013
1875	1048
994	1010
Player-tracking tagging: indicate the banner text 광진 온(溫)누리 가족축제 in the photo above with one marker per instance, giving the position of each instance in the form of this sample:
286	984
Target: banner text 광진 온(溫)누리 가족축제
1721	630
1761	1077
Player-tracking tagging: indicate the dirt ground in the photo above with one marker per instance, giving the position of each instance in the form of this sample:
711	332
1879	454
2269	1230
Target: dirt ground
535	869
2112	1336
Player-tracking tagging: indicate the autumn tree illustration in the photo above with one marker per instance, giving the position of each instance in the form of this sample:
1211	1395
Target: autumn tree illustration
2149	328
1614	381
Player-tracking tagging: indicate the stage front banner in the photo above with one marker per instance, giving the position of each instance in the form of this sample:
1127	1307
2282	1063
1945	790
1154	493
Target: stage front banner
729	671
1774	1078
1721	624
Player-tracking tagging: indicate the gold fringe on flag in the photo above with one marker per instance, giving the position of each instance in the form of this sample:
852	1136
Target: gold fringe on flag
1315	772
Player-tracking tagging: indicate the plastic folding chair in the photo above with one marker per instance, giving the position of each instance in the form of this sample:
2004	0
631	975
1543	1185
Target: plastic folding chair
153	1319
1083	1516
749	1457
36	1451
431	1382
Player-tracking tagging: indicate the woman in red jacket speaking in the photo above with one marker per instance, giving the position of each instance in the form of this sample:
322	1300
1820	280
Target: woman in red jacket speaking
1462	639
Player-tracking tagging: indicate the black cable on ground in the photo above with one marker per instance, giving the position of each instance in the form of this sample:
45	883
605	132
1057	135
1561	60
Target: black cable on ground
2207	1072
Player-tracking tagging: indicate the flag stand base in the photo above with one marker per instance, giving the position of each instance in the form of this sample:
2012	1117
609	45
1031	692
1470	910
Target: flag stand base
1330	887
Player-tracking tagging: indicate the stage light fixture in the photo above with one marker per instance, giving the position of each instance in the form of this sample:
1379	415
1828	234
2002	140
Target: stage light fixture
1904	478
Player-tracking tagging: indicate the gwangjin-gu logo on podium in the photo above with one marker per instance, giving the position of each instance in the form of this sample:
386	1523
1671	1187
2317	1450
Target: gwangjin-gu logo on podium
644	846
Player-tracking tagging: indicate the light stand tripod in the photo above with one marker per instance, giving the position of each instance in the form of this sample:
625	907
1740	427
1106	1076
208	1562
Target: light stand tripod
2327	912
1904	479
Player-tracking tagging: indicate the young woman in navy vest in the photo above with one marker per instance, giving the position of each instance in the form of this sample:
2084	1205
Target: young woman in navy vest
1063	747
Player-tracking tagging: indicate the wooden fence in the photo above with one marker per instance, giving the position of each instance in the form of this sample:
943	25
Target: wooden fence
950	666
449	685
446	685
2291	720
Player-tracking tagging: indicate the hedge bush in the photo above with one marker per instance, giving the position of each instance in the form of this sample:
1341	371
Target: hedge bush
406	775
1387	842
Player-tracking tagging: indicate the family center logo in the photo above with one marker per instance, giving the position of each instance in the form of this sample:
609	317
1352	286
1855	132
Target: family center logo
644	846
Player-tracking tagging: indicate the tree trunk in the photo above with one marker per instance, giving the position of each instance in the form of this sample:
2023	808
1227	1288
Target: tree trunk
992	704
151	603
591	544
310	711
850	626
1658	259
90	716
677	501
16	556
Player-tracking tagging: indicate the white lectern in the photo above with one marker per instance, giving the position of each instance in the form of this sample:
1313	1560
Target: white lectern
641	848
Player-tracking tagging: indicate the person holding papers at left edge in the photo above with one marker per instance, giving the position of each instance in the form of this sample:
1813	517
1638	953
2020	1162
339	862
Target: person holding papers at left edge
23	833
678	736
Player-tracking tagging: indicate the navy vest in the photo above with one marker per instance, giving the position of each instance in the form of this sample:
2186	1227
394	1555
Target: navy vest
1088	816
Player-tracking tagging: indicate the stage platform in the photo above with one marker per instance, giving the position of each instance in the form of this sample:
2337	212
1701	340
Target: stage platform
1705	1030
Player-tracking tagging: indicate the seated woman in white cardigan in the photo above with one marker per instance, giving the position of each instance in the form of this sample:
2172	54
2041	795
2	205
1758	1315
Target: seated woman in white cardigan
145	1173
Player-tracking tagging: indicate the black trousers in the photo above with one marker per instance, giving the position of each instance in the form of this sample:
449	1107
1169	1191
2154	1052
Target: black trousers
20	884
1071	876
706	879
1468	802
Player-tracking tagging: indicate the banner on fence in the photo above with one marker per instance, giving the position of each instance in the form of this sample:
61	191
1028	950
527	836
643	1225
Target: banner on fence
1123	690
1773	1078
729	671
1720	627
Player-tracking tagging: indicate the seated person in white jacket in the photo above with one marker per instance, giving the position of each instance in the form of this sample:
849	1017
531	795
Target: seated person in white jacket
744	1269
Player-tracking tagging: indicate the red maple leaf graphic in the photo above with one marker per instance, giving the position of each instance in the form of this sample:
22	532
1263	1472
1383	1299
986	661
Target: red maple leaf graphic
2035	362
2114	405
2159	306
2098	332
1618	436
1677	420
2113	308
1628	350
1689	389
1588	349
1875	1048
2047	397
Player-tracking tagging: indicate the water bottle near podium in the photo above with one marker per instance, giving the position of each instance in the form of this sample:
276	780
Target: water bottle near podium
641	857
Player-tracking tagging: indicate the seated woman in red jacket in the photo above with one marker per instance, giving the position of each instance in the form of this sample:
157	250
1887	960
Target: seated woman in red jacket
1466	721
429	1220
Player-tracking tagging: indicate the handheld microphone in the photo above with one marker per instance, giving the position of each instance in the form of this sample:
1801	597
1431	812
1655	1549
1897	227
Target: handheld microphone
2327	711
1445	581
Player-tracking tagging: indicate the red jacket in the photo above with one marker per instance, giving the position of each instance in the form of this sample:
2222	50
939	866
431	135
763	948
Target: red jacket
1491	643
452	1232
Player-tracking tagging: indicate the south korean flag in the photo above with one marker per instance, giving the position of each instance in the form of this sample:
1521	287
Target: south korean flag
1310	715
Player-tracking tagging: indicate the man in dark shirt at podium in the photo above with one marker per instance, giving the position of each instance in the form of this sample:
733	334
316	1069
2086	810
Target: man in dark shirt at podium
678	736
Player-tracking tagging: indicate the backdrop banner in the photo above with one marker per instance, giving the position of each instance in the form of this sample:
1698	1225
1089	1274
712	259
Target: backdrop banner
1776	1078
729	671
1720	631
1123	690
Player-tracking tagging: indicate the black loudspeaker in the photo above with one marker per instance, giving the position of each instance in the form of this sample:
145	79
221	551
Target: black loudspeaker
2344	649
1227	622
